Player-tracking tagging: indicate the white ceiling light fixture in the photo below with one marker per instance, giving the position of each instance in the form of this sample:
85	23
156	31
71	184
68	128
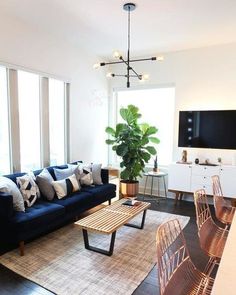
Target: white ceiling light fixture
131	73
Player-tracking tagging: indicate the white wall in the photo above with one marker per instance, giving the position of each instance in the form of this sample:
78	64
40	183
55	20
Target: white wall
204	80
36	50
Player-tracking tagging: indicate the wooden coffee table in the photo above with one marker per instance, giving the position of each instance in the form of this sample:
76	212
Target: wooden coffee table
108	220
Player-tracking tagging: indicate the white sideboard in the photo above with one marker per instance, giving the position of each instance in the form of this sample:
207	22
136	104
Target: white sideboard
191	177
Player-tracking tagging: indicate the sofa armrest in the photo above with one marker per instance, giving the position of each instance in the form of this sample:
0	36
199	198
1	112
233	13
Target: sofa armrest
105	175
6	206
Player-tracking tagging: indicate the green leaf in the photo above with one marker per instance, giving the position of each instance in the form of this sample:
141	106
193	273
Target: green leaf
125	114
146	156
130	114
125	174
144	127
119	127
110	131
122	149
110	141
122	164
151	130
133	109
144	141
154	140
151	150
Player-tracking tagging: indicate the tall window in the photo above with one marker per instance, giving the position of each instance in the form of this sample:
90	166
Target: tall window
4	124
29	115
57	121
157	109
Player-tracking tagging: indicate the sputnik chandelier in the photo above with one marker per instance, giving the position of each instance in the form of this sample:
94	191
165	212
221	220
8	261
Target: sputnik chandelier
130	72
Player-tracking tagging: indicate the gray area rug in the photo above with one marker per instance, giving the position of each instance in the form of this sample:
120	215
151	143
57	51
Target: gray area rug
60	263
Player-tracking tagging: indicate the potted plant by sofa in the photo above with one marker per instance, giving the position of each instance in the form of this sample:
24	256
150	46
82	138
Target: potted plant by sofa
131	141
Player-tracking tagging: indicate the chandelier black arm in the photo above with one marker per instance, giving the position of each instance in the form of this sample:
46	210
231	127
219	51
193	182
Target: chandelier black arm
143	59
110	63
123	61
127	63
125	76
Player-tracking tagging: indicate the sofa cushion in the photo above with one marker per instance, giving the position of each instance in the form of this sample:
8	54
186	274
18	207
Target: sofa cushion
101	192
75	201
40	214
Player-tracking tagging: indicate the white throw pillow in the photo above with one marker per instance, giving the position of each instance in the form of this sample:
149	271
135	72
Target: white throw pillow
9	187
66	186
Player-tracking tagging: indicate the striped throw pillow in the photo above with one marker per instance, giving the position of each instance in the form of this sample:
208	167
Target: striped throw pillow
66	186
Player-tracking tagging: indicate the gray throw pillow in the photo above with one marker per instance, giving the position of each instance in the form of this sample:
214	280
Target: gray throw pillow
8	186
63	173
44	181
76	171
96	173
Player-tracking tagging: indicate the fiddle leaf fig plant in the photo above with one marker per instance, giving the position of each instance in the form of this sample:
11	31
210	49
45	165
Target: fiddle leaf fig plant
132	142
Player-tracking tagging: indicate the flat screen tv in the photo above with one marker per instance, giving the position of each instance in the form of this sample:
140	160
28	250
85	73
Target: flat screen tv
207	129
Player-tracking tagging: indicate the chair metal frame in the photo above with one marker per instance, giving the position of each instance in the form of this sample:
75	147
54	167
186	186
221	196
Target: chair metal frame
212	237
223	210
177	273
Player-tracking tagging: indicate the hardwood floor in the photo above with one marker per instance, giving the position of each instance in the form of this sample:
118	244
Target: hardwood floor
11	283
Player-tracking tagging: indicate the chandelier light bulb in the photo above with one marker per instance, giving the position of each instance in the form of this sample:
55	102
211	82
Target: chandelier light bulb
96	66
109	75
116	54
145	77
160	58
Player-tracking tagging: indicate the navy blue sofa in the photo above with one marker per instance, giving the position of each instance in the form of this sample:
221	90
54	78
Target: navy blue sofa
44	216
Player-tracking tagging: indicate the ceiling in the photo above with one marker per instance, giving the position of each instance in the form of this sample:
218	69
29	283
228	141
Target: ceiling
157	25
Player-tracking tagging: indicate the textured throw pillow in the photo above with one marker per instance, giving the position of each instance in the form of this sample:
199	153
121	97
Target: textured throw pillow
90	174
85	174
66	186
44	181
8	186
86	178
28	188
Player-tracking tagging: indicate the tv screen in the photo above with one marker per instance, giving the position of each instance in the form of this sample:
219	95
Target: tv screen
207	129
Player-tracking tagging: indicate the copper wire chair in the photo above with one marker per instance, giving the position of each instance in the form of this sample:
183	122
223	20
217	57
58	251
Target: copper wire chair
177	273
212	237
223	210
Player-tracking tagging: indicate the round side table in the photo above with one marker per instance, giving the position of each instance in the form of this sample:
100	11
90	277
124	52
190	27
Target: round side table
160	176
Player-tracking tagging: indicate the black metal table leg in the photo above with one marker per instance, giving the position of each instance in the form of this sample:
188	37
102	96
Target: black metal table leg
99	250
142	222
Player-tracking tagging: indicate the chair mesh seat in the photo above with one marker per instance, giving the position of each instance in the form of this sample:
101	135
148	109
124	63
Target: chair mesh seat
177	273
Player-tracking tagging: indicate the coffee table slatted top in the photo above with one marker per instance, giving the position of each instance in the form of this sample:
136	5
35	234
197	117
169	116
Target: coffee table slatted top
110	218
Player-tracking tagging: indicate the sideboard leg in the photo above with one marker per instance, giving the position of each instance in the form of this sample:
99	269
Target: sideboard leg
176	197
